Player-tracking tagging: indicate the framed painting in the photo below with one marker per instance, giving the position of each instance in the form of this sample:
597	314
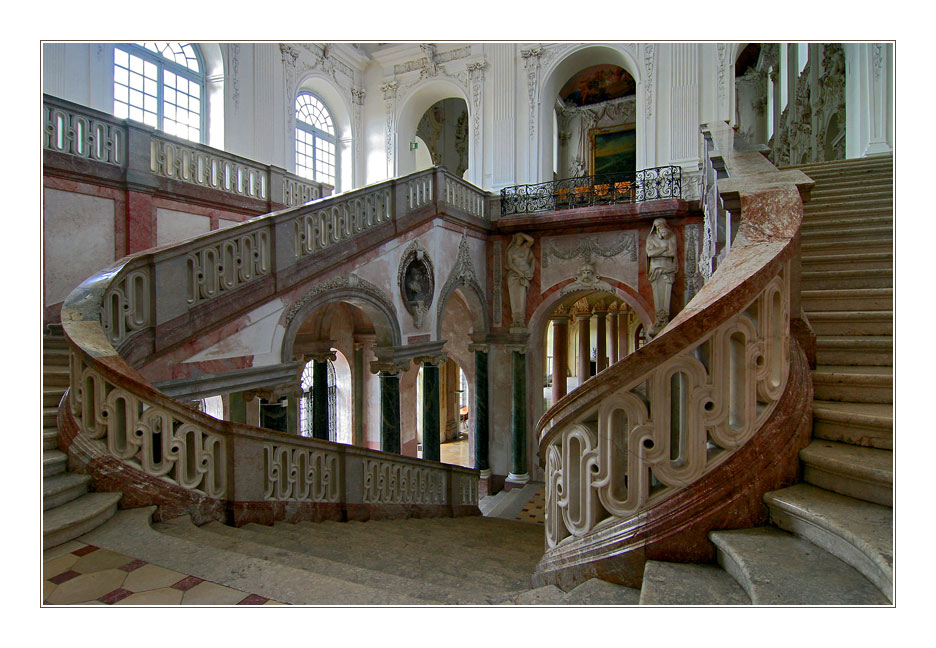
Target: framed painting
613	149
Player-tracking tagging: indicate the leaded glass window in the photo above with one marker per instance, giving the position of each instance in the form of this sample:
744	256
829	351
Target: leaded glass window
162	85
316	156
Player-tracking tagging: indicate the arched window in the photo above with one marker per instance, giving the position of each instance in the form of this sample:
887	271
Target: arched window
315	140
161	85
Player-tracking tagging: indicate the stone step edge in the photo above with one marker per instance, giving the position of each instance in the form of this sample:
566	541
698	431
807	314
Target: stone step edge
62	523
350	572
831	535
848	467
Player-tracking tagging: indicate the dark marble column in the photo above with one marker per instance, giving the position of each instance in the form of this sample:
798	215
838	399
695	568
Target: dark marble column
560	356
582	368
615	340
481	434
518	454
390	411
601	340
430	411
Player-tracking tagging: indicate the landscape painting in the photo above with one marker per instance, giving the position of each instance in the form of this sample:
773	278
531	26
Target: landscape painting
613	149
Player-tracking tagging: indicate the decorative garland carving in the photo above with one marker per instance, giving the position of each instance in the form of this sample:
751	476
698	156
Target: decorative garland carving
589	246
496	280
648	52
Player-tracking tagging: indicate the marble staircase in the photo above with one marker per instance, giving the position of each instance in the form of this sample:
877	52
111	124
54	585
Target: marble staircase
68	508
831	539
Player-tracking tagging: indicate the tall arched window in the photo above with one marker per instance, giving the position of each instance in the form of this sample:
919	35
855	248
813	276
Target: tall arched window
161	85
315	140
305	405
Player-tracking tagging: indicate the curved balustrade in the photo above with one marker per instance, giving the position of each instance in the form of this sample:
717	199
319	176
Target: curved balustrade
644	433
133	438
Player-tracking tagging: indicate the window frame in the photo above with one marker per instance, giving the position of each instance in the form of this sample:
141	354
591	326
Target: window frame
164	64
317	134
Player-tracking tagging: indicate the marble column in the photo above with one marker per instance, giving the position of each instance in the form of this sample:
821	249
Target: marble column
452	409
518	455
560	356
430	407
481	434
601	335
615	339
584	345
390	409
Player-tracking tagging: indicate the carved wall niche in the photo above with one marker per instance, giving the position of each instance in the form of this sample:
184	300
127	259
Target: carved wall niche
416	279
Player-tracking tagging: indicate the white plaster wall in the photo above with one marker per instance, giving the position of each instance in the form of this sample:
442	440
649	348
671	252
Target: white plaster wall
78	235
174	226
261	337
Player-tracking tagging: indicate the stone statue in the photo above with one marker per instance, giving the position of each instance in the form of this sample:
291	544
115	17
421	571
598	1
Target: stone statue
520	265
661	267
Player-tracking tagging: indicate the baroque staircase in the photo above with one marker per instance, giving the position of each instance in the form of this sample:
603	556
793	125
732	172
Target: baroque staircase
831	539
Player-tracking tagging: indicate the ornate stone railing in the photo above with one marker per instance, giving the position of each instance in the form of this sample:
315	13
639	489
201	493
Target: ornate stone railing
82	132
634	456
465	196
133	438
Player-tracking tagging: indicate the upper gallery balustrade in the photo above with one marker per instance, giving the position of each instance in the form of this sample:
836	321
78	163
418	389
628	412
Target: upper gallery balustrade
588	191
146	155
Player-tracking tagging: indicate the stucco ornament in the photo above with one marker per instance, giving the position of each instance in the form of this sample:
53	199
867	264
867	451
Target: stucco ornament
661	266
520	266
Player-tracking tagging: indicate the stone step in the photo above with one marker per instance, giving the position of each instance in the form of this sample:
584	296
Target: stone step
860	190
53	462
825	246
49	416
53	376
848	168
876	350
486	504
854	383
840	215
279	548
846	299
51	396
667	583
847	278
777	568
403	556
268	578
852	323
62	488
860	261
514	500
864	424
862	473
857	533
497	550
851	234
50	438
77	517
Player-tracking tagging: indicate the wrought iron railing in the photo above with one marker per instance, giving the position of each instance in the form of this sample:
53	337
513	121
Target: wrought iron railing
588	191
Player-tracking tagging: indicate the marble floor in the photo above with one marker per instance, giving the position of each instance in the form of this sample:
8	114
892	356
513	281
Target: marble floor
455	452
76	573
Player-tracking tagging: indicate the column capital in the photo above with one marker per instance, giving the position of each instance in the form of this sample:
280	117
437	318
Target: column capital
388	368
436	360
518	348
475	348
321	356
560	317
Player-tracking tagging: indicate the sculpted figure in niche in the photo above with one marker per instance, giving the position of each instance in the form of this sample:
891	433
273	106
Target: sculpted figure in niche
520	265
661	266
